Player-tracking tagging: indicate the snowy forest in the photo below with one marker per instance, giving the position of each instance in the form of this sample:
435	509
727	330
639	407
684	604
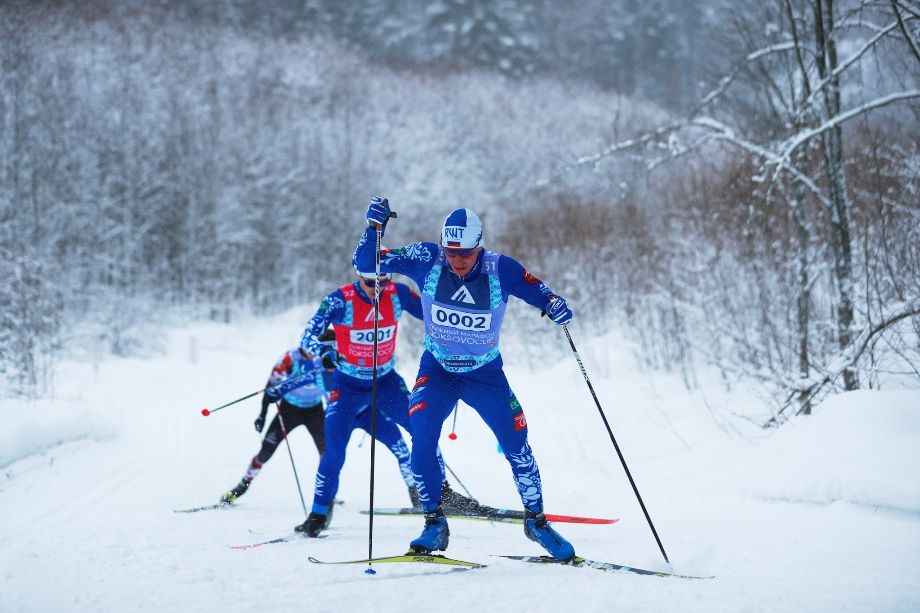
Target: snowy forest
734	184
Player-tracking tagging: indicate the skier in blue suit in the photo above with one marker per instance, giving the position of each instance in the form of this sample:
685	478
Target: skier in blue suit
350	311
464	292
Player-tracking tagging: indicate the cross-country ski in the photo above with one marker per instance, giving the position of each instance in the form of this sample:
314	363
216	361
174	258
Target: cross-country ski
495	514
579	562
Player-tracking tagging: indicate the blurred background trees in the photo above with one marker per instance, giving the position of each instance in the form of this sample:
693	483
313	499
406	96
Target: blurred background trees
730	183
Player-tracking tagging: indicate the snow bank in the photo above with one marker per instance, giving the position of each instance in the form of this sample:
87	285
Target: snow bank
32	430
860	447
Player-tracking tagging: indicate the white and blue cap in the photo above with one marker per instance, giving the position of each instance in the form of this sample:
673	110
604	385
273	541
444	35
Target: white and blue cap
462	230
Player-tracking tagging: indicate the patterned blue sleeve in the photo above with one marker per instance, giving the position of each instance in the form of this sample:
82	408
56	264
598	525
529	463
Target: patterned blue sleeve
331	311
410	301
414	261
516	281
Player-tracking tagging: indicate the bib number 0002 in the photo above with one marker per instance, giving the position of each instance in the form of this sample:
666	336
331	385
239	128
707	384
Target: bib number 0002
479	322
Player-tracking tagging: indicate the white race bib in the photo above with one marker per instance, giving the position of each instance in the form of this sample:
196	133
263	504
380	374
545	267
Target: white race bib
366	337
477	322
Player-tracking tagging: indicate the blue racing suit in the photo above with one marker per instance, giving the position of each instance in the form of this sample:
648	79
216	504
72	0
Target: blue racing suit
350	386
463	318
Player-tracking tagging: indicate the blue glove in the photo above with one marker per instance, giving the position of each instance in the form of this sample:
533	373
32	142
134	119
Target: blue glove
559	311
378	212
330	357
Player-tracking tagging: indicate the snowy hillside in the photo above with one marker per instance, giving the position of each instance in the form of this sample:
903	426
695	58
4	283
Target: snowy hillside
823	515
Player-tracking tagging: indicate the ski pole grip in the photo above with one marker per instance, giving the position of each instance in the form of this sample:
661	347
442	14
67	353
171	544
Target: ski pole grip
379	227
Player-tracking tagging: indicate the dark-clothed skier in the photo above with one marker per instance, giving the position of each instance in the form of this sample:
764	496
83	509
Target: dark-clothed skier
302	404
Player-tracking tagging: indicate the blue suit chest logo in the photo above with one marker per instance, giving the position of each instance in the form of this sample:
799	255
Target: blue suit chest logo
472	296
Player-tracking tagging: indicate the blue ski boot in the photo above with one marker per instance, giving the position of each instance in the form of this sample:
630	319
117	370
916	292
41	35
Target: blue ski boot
539	531
435	535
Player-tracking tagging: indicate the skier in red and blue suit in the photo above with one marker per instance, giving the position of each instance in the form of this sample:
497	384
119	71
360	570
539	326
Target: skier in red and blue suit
465	289
350	311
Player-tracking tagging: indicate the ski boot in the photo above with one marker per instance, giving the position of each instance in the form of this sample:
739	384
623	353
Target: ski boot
315	523
240	489
435	535
452	502
539	531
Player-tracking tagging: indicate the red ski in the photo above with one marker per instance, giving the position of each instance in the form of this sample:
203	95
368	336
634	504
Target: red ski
485	513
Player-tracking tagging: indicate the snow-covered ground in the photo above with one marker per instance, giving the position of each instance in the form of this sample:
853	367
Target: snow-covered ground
823	515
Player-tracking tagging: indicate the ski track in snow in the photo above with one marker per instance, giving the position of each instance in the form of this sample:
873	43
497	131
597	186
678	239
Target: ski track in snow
89	525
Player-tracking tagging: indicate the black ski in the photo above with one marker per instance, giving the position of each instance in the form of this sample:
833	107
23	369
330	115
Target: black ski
281	539
207	507
610	567
221	505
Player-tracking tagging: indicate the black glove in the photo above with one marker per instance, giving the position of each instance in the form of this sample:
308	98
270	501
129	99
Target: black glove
271	393
330	357
259	423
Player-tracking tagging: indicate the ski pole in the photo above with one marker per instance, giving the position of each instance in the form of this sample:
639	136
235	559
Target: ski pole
207	412
284	431
459	481
453	429
613	440
280	388
378	231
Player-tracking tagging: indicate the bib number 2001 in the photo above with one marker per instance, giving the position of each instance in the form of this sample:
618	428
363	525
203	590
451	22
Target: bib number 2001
460	320
366	337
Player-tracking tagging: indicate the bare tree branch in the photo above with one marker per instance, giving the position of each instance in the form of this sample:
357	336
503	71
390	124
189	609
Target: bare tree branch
849	61
847	360
727	134
833	122
905	31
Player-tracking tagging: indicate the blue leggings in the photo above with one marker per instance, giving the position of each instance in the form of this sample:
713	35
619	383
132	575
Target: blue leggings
487	391
349	408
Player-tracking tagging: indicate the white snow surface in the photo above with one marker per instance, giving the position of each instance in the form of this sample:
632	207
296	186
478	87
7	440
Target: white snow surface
821	515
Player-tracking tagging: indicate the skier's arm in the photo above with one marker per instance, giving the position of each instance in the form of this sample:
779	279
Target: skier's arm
279	372
414	260
331	310
516	281
410	301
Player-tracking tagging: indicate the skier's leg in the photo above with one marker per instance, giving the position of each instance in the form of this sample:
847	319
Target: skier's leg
430	403
491	396
388	434
394	403
314	418
273	437
338	424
